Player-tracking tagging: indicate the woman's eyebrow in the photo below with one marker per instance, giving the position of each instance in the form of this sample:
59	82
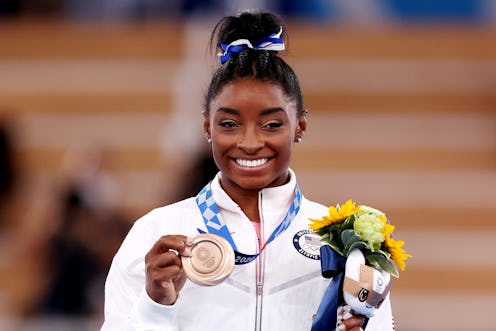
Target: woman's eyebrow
264	112
272	111
228	111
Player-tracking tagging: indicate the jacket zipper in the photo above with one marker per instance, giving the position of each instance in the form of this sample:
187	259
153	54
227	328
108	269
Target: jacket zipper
258	321
259	272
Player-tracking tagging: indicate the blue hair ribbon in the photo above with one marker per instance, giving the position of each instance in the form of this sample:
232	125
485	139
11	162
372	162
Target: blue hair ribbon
274	42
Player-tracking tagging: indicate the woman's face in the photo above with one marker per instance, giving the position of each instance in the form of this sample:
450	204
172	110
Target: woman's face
253	126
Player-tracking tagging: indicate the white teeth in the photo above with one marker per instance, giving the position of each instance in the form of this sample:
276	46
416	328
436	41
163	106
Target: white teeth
251	163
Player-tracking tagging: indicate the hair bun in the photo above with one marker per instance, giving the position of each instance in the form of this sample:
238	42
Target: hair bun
252	26
247	47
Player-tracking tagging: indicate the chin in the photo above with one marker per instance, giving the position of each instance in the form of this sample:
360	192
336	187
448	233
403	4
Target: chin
250	184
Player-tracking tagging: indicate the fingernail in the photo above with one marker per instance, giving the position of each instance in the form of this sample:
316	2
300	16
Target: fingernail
187	252
341	326
189	240
179	274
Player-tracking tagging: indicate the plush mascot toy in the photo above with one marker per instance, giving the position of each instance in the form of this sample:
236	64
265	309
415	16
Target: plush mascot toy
364	287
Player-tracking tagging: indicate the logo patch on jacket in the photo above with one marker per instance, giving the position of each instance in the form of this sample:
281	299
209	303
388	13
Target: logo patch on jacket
307	243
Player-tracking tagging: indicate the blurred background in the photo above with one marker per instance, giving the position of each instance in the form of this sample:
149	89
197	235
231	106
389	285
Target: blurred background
100	122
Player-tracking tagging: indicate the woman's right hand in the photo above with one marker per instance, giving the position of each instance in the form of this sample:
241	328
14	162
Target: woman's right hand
164	271
347	321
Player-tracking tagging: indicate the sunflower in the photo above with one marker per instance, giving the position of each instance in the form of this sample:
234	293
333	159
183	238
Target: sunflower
398	254
336	214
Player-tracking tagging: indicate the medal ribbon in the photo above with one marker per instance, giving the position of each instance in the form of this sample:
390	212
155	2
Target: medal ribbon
215	225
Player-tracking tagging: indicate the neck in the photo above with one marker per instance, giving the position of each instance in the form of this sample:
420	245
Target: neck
247	200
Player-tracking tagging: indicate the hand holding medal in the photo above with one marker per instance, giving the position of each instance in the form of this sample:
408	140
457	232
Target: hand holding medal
206	259
164	273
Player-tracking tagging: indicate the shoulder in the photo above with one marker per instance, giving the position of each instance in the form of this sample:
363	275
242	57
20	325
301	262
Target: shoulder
176	207
181	217
178	218
169	219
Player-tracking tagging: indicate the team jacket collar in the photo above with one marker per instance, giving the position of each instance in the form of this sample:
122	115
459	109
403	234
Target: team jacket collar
273	198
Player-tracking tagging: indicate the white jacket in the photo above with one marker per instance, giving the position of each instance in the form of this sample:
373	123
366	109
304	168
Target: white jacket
290	285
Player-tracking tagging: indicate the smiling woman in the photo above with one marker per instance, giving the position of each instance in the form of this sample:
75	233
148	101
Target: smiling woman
253	208
253	126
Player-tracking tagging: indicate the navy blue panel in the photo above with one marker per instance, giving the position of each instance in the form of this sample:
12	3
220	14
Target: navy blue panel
435	9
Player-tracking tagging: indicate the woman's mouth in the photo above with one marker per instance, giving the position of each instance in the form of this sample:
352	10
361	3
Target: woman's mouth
251	163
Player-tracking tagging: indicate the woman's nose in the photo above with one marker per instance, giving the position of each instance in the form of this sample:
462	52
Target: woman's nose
250	142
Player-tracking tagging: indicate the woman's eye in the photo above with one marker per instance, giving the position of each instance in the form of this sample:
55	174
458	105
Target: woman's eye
228	124
272	125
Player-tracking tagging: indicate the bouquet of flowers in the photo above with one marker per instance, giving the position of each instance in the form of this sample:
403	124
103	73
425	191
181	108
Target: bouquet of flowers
350	227
360	256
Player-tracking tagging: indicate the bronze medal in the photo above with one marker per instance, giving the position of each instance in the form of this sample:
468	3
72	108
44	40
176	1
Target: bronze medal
212	260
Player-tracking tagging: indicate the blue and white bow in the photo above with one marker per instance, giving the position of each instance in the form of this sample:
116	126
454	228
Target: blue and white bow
274	42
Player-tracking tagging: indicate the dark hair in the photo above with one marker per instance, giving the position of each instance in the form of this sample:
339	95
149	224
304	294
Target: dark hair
264	65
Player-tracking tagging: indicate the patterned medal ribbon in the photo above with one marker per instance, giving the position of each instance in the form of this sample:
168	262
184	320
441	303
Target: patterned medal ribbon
214	223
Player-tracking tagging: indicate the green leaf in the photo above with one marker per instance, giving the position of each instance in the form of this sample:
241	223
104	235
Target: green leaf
348	222
358	245
335	227
335	247
381	254
349	237
322	232
379	261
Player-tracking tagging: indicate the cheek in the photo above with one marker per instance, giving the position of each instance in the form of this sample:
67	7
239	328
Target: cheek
220	147
283	146
222	142
288	140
